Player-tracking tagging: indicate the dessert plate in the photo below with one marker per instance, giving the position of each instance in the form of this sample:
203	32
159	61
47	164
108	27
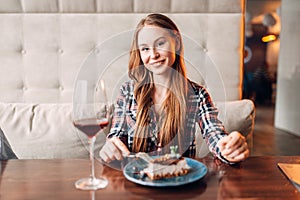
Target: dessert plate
132	169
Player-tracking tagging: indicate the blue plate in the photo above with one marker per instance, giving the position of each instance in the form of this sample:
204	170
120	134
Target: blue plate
132	169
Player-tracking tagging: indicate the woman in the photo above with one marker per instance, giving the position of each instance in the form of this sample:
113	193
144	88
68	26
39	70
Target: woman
160	106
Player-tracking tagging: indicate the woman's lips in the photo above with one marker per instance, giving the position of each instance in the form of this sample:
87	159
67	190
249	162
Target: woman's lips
157	63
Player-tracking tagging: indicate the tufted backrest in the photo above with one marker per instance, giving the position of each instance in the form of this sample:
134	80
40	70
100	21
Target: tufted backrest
46	45
43	44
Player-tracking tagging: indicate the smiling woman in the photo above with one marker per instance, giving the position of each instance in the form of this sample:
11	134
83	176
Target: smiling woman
160	106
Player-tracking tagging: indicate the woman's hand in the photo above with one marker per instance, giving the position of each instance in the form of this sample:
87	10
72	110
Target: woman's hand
113	149
234	147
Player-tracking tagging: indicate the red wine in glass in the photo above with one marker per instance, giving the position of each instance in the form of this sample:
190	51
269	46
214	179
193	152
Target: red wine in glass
91	126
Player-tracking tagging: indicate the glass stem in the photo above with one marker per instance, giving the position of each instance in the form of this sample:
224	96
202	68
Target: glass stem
92	142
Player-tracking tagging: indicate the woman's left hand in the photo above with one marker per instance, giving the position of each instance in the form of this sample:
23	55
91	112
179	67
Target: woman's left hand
234	147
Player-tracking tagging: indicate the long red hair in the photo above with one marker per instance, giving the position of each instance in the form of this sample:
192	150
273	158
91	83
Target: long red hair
172	120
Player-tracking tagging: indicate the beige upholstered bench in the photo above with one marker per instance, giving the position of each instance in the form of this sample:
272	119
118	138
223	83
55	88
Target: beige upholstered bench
43	45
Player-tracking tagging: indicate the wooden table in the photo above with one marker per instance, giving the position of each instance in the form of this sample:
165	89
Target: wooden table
256	178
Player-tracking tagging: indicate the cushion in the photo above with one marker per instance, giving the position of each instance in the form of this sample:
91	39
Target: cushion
236	115
44	131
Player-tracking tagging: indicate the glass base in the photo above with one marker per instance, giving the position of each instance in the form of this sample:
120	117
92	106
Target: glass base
91	184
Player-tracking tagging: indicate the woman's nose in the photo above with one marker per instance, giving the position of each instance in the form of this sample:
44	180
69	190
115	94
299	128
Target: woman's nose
154	53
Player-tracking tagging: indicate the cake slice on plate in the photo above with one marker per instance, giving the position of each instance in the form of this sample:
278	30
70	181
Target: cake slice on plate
166	166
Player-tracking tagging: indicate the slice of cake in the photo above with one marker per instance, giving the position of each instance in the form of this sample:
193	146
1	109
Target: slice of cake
166	166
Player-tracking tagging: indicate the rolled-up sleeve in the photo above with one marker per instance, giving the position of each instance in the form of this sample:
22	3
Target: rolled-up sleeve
211	127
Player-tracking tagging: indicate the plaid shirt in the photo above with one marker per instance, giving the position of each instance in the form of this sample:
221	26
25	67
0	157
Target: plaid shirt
200	110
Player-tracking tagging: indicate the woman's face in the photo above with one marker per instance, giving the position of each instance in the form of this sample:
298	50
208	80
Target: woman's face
157	49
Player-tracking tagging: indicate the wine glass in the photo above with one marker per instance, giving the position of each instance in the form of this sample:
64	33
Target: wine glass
90	116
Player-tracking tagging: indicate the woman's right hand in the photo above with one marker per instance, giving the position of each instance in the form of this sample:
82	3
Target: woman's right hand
113	149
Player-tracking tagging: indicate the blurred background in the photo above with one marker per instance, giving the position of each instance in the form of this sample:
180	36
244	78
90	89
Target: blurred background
262	44
272	74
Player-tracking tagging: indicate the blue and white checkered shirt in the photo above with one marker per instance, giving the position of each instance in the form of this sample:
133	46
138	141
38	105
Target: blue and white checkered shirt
200	110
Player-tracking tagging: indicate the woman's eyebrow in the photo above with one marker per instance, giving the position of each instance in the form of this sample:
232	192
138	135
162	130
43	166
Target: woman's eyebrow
143	44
